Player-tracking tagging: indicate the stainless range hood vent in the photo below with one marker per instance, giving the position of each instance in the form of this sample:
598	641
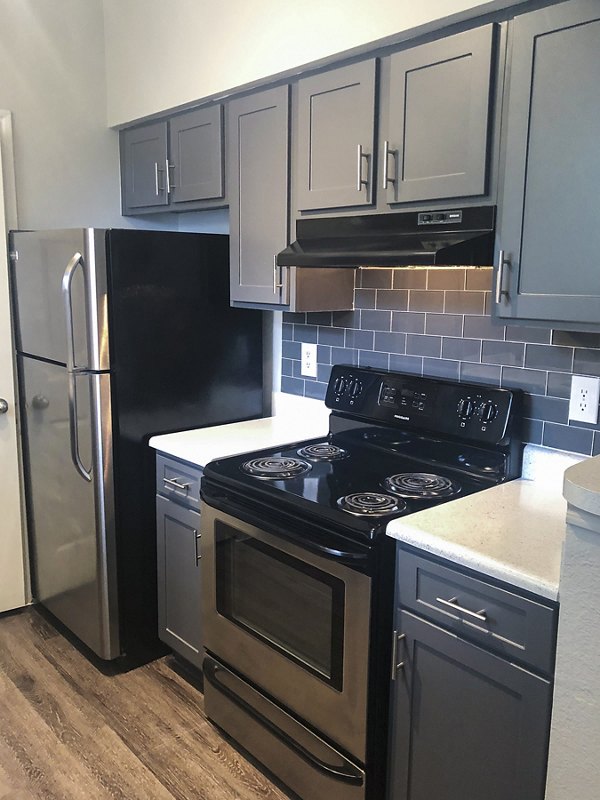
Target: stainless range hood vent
453	237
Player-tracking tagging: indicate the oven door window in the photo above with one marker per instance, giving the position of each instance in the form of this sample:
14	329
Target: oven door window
288	604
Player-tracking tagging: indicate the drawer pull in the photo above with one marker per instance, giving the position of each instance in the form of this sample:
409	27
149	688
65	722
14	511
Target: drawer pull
481	615
184	487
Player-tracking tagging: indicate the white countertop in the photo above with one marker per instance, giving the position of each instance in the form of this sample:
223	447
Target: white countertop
296	418
582	485
513	532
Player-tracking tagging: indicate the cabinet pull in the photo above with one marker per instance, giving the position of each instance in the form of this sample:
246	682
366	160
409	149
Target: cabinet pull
184	487
500	292
481	615
170	183
276	285
396	665
387	152
360	181
157	187
197	537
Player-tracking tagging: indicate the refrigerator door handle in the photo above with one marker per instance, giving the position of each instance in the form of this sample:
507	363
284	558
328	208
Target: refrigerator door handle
67	281
73	431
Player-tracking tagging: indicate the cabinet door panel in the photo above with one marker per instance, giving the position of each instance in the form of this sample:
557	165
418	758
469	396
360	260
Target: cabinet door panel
439	101
196	145
466	724
179	579
144	157
258	192
336	115
548	224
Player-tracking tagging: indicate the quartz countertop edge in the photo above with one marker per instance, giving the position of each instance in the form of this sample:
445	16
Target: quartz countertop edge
512	532
582	486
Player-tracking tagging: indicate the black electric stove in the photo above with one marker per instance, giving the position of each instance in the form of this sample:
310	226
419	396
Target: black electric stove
298	576
397	444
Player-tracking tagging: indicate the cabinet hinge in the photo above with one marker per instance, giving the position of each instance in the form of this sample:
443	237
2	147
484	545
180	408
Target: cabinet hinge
13	255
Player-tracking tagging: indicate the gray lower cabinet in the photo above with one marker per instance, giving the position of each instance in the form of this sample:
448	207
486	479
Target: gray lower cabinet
435	145
176	164
258	193
179	565
335	138
468	722
548	232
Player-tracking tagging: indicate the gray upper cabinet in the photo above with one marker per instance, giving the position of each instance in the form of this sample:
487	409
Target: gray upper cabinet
177	163
335	138
143	164
258	193
438	107
548	234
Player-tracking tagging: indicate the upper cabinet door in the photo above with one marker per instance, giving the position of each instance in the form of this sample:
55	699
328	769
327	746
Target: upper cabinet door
336	124
548	229
438	105
143	165
258	192
196	147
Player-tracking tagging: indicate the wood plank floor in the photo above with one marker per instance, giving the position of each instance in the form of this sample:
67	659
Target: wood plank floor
68	732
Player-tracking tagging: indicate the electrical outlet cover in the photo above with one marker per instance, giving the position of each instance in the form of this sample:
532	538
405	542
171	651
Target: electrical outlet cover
585	396
309	360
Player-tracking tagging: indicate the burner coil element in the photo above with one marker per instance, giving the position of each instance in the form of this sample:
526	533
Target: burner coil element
423	485
275	468
370	504
322	451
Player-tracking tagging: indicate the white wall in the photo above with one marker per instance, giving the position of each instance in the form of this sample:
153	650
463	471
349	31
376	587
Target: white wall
52	78
163	54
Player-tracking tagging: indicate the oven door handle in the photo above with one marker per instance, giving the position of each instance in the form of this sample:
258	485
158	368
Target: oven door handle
349	774
242	511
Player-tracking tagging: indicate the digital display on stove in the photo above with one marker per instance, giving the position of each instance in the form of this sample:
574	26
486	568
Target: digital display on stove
403	398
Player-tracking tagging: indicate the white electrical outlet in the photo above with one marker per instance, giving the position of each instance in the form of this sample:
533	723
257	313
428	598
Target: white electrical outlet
309	360
585	395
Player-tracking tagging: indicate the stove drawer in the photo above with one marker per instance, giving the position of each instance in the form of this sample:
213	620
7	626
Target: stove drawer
178	481
516	627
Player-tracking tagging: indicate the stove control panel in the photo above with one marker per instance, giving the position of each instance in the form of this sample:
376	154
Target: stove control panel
478	413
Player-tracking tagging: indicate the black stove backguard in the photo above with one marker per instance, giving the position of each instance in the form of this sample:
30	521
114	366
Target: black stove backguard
397	444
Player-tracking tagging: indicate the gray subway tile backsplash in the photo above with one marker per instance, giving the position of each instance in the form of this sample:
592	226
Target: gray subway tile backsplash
447	332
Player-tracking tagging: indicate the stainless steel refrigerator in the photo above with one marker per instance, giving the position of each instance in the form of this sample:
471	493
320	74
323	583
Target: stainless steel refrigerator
120	334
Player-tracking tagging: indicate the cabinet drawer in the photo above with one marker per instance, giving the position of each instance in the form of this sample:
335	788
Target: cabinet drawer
178	481
514	626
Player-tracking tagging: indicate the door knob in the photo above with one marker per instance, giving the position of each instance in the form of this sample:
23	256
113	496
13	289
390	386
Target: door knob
3	406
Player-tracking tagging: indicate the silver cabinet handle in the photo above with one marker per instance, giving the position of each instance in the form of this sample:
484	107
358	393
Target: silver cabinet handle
276	285
480	615
197	537
3	406
184	487
158	189
500	292
387	152
169	182
360	181
396	665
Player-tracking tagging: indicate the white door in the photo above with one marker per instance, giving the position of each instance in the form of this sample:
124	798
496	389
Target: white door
12	576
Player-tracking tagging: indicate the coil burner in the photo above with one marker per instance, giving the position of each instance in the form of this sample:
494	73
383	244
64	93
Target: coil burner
370	504
322	451
421	485
274	468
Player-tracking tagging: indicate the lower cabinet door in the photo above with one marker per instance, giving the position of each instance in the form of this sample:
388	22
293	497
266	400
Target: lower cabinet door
179	579
466	724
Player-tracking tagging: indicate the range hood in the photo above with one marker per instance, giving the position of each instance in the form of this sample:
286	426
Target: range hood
453	237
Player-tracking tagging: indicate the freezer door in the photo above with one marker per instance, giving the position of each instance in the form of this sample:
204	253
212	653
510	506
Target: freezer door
59	287
71	519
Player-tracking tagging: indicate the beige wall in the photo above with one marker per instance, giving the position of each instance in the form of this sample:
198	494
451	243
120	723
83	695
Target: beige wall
163	54
52	79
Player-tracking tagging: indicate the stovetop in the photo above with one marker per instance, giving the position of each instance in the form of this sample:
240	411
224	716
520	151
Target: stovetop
381	461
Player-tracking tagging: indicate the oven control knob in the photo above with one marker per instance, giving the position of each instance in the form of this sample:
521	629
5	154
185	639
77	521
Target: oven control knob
339	386
488	411
466	408
355	388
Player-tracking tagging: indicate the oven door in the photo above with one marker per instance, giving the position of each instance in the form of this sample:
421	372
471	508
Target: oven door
292	621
